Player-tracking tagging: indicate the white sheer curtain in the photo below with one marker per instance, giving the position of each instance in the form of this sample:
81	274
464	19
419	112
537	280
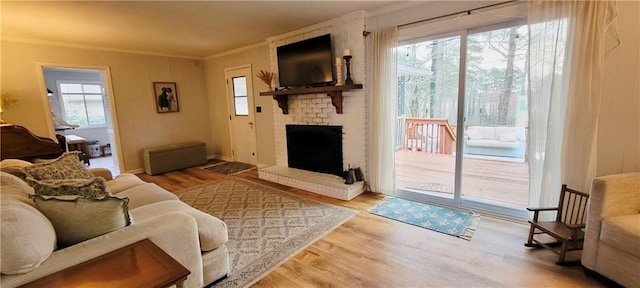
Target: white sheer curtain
566	60
383	98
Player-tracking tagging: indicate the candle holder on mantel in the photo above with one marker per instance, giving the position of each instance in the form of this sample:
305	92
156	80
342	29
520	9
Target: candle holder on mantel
347	61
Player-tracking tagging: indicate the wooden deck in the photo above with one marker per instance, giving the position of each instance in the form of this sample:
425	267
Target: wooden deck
502	182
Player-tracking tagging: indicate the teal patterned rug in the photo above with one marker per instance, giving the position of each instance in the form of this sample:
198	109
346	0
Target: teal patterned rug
444	220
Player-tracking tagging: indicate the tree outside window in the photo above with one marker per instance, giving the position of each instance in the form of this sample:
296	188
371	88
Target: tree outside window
495	82
83	103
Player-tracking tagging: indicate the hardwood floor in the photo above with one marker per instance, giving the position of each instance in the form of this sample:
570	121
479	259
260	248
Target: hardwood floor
372	251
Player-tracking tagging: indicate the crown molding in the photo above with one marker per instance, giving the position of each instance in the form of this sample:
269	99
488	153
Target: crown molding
321	25
236	50
395	7
91	47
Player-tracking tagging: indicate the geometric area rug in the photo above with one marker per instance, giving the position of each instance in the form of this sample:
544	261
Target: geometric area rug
456	223
266	226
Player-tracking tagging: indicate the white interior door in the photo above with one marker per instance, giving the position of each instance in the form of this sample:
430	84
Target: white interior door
241	116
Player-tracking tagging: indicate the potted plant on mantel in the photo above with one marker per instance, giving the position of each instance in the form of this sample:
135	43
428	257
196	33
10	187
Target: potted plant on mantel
266	77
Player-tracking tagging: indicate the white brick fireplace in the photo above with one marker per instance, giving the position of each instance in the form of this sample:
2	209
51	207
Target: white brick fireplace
316	109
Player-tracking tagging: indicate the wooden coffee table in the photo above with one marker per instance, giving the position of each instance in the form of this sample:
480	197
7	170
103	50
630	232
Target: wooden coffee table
141	264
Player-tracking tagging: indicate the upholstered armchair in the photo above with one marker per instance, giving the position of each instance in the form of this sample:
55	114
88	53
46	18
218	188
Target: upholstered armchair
612	241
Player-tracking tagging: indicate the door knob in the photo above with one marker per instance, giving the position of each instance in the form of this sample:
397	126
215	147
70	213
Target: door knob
251	124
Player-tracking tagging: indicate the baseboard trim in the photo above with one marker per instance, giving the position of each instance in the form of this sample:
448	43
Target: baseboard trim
136	171
220	157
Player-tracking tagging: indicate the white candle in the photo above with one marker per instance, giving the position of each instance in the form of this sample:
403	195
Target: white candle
347	52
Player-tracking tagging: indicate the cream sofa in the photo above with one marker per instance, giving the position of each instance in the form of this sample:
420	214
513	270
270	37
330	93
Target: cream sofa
495	141
194	238
612	237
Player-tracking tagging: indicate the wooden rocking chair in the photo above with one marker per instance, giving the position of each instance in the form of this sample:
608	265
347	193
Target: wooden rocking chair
567	228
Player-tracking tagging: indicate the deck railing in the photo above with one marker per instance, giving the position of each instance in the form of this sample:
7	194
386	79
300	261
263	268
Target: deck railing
429	135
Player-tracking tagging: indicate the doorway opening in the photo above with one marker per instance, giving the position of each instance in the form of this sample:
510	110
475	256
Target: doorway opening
82	114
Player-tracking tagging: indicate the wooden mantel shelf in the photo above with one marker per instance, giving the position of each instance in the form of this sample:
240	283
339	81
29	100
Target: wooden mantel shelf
335	92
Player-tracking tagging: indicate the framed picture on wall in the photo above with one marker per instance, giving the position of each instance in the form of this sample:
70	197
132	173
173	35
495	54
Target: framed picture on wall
166	95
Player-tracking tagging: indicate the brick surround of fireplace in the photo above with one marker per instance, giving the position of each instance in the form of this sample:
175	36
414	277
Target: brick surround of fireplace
316	109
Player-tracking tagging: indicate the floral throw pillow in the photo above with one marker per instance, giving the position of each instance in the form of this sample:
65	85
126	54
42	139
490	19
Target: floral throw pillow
67	166
95	188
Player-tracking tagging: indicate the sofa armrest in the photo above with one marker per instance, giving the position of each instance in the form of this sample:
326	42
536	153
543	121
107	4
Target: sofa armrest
612	195
175	233
124	182
616	195
101	172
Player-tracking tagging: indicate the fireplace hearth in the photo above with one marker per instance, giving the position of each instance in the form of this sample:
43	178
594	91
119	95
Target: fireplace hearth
315	148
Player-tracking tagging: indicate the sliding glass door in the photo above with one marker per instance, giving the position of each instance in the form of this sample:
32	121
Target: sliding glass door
428	83
462	119
495	169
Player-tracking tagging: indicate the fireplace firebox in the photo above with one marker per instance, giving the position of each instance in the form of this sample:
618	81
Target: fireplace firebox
315	148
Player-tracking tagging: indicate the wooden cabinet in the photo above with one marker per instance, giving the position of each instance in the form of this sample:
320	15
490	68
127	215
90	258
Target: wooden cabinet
335	92
20	143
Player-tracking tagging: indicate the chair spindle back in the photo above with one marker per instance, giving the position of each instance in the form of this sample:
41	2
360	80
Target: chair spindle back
572	206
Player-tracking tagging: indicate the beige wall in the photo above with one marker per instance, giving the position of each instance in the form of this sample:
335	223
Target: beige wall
140	126
258	57
619	131
132	76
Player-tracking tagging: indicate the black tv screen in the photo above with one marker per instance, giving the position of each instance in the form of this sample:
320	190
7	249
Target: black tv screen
306	63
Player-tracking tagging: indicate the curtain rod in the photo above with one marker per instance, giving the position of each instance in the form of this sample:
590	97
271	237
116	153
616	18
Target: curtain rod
468	12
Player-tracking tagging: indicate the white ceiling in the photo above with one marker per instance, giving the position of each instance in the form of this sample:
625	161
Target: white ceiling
180	28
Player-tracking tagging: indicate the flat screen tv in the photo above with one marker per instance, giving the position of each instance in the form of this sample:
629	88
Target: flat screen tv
307	63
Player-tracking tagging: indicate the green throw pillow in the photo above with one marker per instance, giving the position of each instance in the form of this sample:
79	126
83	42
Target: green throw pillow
76	219
67	166
92	188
